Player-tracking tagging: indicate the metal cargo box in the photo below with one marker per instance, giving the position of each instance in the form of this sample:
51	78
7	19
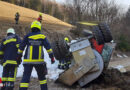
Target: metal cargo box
76	72
82	49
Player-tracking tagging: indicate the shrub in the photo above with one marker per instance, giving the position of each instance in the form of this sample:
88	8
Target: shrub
123	44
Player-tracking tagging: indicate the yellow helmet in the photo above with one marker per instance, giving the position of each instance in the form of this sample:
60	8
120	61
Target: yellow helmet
36	24
66	39
40	14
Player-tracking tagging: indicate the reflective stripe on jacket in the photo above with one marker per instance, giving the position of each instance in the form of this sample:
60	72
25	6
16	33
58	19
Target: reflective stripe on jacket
34	51
9	49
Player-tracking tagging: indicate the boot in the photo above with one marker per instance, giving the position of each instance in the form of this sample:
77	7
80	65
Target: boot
59	66
9	86
4	86
44	87
67	66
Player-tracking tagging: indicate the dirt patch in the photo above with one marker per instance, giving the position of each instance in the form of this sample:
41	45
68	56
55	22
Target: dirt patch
110	79
113	78
22	30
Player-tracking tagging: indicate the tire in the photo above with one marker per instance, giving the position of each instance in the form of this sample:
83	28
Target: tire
55	49
60	49
64	49
98	35
105	32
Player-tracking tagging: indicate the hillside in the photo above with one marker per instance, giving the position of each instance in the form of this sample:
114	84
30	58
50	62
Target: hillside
27	16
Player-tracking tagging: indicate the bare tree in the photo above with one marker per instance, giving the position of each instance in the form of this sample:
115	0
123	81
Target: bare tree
94	10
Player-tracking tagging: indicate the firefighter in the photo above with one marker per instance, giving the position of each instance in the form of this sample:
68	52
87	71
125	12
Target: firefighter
34	56
8	52
40	18
65	62
17	17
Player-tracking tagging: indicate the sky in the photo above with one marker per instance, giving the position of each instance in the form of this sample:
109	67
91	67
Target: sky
123	3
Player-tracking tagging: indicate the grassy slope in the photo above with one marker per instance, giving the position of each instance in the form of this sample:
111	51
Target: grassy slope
7	13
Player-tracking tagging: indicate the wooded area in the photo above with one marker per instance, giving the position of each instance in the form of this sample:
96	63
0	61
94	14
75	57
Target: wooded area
73	11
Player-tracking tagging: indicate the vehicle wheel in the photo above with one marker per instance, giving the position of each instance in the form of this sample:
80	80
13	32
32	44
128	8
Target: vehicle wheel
98	35
56	51
60	49
64	49
105	29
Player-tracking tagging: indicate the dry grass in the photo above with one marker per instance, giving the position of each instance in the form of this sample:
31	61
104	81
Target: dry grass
7	12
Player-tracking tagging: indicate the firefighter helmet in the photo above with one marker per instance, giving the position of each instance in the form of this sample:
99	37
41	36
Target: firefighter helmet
11	30
36	24
40	14
66	39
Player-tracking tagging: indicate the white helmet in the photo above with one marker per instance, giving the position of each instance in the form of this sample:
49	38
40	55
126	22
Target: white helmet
11	30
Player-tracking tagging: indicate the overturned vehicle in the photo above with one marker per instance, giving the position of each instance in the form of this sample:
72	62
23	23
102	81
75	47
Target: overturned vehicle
89	55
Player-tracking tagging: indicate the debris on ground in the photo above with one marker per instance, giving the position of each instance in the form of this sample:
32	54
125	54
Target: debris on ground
111	79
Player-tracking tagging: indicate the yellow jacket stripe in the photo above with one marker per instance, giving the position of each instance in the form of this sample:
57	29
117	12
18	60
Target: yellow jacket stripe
38	36
40	50
24	84
31	52
9	62
8	41
43	82
33	60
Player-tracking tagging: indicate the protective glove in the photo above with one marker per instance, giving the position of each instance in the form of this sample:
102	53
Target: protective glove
19	59
52	60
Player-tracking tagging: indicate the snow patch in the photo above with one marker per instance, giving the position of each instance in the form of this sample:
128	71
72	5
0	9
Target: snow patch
118	55
122	56
53	71
73	41
125	56
1	70
121	68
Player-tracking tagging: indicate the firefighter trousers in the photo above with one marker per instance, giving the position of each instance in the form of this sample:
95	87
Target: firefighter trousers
64	63
41	72
9	76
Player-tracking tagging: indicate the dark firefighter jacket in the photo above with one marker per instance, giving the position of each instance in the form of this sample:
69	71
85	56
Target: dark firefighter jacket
34	43
9	49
